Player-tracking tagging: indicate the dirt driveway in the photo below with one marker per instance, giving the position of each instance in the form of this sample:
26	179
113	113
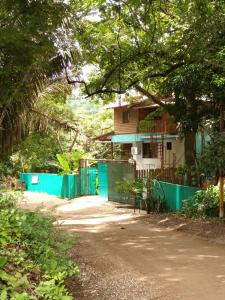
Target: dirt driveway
124	256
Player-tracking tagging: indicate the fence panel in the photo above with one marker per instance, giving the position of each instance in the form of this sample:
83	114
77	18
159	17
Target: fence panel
166	174
88	181
103	179
173	194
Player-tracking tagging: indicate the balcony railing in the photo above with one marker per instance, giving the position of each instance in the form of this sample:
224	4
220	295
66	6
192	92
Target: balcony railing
158	126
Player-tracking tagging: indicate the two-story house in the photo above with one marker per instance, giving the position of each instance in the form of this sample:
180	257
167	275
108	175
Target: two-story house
157	145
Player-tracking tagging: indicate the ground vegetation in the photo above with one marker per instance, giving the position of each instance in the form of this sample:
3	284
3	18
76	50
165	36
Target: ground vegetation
34	260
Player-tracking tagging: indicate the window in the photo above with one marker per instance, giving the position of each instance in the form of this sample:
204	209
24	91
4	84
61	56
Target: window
125	116
150	150
126	151
168	146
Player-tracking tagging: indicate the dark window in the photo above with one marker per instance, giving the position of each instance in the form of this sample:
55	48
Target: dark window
126	151
168	146
125	116
150	150
157	118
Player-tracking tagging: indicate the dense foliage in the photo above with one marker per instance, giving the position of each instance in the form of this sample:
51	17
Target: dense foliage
34	36
34	260
213	156
203	204
49	148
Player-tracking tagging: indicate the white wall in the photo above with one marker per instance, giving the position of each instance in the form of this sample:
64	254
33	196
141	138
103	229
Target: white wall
177	152
145	163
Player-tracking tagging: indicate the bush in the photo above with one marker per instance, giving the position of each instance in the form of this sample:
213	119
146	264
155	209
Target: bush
203	204
129	188
34	259
9	199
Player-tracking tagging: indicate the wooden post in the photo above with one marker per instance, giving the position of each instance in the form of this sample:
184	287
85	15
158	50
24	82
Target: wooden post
162	158
135	177
112	156
221	205
135	170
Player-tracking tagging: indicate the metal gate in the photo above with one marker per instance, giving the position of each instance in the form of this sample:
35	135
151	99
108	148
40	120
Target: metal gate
117	171
109	173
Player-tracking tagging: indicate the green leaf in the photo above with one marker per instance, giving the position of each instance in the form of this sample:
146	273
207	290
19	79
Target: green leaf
3	295
66	298
3	274
23	296
63	163
3	261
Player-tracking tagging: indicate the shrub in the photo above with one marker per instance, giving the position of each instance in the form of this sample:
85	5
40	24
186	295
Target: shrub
34	260
130	187
9	199
203	204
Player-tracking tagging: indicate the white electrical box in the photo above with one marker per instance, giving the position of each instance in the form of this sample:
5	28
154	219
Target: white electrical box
34	179
134	150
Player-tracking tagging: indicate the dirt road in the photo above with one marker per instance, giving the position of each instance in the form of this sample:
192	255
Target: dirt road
121	256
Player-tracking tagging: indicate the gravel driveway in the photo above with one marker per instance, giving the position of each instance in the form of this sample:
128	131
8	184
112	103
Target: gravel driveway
122	255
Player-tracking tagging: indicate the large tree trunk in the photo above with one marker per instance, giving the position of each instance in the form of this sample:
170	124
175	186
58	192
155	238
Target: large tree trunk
189	149
189	154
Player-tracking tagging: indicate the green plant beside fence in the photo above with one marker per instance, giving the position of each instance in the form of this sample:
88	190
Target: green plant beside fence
203	204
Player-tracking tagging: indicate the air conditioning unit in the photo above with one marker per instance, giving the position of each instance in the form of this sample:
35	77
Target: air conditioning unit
134	150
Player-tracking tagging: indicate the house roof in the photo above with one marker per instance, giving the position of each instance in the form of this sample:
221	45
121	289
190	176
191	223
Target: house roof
116	104
106	137
135	105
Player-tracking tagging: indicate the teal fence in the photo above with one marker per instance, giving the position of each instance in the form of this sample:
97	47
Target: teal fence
88	177
103	179
65	186
71	186
172	194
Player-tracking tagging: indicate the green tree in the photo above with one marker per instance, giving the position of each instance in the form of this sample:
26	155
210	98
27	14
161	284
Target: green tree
34	37
159	48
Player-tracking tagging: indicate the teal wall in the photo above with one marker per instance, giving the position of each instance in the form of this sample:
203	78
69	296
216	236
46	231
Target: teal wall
65	186
173	194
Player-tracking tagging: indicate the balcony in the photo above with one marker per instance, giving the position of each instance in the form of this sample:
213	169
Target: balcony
157	126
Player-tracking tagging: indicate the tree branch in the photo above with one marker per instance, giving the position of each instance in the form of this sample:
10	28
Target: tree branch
65	125
59	143
149	95
73	142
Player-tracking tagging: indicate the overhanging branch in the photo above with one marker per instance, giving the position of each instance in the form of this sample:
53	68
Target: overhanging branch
149	95
63	125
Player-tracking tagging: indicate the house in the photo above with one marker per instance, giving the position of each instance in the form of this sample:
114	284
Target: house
154	145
